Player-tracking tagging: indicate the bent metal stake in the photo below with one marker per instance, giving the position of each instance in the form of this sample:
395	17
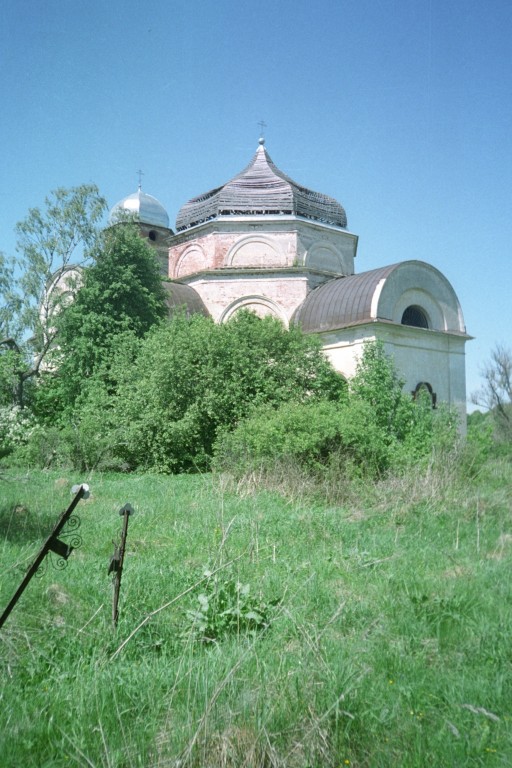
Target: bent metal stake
53	544
117	559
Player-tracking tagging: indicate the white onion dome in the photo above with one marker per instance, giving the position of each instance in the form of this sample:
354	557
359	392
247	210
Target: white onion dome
144	208
261	189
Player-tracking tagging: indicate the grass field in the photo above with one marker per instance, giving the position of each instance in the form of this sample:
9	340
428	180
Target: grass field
374	633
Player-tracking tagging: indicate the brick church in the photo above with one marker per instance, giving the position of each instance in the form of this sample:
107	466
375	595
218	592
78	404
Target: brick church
265	243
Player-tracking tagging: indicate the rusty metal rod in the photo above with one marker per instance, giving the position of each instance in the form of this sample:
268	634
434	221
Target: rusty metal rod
117	562
53	543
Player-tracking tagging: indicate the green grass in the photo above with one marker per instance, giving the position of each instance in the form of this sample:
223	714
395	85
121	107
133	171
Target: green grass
389	638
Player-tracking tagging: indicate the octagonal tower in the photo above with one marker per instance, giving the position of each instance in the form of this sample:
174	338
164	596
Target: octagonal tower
261	241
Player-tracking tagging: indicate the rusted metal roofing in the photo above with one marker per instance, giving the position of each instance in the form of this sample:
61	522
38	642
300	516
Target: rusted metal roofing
341	302
180	296
261	188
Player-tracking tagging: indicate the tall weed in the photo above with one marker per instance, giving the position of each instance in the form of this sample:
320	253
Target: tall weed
390	643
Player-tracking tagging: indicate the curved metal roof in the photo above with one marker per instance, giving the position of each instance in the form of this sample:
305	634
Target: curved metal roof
144	208
179	296
382	294
341	302
261	188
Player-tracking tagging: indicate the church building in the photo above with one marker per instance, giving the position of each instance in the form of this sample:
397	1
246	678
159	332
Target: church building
265	243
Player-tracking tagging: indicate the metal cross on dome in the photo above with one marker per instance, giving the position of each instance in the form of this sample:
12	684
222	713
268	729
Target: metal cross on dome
140	175
262	124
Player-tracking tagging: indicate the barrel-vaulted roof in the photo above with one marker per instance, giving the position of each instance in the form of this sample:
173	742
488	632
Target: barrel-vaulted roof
341	302
383	294
179	296
261	189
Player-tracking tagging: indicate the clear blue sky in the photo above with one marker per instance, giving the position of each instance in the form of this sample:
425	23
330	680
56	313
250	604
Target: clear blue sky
400	109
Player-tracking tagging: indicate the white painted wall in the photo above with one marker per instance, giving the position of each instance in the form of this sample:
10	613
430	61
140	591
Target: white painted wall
419	355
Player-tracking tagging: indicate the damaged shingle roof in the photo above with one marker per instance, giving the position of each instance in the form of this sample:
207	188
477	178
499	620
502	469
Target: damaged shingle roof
261	189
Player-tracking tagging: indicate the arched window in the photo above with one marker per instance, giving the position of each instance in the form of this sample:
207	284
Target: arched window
423	388
152	235
415	316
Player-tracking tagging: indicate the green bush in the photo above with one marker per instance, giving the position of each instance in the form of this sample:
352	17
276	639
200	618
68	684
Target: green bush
16	427
193	378
377	429
481	443
157	403
377	383
307	435
45	448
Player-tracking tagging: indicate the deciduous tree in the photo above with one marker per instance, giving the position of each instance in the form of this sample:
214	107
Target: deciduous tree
193	377
49	241
121	293
496	393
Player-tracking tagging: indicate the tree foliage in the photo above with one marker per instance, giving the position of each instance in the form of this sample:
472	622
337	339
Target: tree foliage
121	296
9	299
49	240
12	369
496	393
192	377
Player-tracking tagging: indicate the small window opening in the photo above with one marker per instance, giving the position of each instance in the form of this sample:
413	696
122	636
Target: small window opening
416	317
424	389
152	235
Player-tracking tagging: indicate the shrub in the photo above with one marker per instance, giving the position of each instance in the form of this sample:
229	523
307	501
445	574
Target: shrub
377	429
307	435
479	445
16	427
425	431
193	378
377	383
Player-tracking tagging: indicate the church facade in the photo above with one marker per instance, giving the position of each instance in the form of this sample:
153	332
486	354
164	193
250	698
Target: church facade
264	243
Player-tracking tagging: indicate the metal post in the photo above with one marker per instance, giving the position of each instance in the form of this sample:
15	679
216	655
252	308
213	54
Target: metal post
116	561
52	543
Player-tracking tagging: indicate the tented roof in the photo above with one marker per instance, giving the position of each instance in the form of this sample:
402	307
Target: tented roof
261	189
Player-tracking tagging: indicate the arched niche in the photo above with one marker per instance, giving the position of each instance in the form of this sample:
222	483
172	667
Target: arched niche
192	260
254	251
260	305
325	257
